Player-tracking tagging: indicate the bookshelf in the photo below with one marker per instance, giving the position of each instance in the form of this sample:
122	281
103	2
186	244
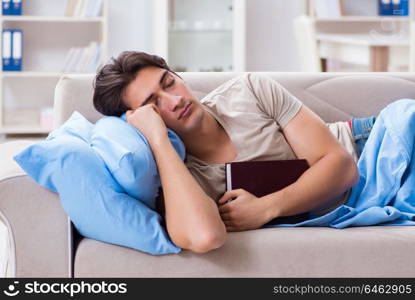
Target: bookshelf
49	34
354	35
200	36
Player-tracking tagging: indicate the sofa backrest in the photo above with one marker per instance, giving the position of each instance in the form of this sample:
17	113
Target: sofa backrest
333	96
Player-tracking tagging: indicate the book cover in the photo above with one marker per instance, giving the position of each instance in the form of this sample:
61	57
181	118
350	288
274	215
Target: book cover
261	178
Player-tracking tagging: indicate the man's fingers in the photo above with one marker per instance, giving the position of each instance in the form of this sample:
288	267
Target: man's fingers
224	208
230	229
225	216
227	223
228	196
156	109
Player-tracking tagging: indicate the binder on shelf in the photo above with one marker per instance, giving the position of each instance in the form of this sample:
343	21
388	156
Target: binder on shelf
393	7
16	8
385	7
6	7
400	7
7	50
17	49
12	49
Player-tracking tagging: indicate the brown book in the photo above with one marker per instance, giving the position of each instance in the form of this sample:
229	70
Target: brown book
261	178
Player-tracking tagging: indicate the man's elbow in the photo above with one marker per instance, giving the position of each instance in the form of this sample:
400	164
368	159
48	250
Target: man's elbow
203	241
207	242
352	172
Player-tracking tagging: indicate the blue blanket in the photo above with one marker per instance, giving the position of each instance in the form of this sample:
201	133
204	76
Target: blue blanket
385	193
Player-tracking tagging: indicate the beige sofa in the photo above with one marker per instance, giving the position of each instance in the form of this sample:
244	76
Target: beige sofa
41	239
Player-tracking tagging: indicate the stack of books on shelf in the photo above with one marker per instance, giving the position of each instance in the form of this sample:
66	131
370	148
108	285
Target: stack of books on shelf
12	7
83	8
82	59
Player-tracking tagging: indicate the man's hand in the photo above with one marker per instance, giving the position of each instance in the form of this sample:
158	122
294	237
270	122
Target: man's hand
148	121
245	212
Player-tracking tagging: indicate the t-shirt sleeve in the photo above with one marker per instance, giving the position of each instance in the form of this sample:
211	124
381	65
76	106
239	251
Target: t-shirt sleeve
273	99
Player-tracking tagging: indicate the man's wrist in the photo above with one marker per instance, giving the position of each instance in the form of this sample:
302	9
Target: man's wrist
158	141
274	204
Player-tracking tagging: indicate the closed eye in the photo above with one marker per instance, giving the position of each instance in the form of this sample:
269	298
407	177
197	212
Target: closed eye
171	83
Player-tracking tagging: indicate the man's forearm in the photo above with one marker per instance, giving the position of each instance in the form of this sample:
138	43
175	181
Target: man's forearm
190	213
327	179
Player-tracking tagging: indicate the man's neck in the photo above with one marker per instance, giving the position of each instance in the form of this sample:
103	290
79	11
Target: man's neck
204	141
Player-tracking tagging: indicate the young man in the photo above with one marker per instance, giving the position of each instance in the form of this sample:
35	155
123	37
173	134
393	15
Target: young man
250	117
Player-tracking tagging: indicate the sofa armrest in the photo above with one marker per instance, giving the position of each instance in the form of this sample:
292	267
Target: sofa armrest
39	242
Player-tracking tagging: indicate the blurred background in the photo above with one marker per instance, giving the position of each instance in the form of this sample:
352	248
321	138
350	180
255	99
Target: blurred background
43	39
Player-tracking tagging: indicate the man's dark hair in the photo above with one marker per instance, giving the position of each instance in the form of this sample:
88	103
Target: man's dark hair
113	78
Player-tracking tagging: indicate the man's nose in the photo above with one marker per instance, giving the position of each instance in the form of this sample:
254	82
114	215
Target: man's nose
173	101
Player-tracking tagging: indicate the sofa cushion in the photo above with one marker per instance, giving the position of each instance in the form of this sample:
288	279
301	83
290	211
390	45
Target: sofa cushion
8	167
363	94
274	252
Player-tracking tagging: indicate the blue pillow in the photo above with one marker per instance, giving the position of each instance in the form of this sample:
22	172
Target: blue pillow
93	199
129	158
77	126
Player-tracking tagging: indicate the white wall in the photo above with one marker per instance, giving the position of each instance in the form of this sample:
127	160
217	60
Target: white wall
130	26
270	37
271	42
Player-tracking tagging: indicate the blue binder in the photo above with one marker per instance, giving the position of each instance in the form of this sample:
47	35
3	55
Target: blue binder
400	7
16	8
7	50
12	49
17	50
6	7
385	7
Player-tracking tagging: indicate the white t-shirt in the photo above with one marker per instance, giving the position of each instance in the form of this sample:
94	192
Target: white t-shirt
253	109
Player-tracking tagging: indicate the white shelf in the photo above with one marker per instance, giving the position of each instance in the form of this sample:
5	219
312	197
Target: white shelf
200	30
51	19
30	74
353	33
48	36
363	39
24	74
364	19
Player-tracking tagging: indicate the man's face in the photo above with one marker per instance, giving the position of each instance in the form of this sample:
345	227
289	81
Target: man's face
178	108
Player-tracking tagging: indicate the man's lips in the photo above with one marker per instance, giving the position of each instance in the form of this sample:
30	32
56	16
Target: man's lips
185	111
